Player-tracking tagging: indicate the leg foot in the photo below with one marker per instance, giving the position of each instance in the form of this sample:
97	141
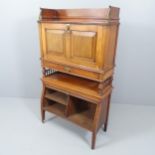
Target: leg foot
93	140
107	114
42	104
42	116
105	127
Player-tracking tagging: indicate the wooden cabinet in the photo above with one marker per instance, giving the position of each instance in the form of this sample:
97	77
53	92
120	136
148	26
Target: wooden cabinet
78	48
86	49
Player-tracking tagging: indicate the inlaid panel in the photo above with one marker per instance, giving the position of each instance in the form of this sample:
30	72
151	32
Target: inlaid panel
55	41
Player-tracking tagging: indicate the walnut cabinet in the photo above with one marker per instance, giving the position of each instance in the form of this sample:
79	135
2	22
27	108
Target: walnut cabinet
78	48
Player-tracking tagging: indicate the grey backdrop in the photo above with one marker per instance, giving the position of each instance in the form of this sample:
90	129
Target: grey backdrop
20	69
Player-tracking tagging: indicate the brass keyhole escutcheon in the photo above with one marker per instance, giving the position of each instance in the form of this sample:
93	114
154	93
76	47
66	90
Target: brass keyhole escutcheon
67	28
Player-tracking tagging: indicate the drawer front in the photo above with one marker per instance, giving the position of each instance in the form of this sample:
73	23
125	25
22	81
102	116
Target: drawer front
72	70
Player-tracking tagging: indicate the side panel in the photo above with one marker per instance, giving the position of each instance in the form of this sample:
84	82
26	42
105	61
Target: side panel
109	55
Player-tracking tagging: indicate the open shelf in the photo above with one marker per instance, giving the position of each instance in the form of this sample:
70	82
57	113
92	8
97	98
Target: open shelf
76	110
57	97
56	108
83	119
82	113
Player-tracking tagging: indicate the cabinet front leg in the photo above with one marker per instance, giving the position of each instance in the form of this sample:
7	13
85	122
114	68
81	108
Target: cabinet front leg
93	140
107	113
42	104
42	115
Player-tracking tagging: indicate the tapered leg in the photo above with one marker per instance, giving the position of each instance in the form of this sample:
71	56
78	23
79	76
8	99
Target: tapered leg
42	104
107	113
93	140
42	115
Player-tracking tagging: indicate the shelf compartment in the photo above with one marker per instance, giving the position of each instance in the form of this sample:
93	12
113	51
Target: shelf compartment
55	108
82	113
83	119
57	97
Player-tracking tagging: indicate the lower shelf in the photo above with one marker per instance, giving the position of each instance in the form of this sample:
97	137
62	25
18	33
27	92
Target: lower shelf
76	110
56	108
83	119
57	97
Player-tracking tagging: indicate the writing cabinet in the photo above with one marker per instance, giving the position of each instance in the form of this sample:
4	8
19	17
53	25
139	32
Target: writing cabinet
78	48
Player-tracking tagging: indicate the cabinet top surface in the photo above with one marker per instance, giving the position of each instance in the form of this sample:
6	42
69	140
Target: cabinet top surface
83	15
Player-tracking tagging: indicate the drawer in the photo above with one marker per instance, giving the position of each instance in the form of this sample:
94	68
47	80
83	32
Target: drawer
73	71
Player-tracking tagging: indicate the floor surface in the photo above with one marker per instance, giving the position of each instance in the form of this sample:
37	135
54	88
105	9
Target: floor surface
131	131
